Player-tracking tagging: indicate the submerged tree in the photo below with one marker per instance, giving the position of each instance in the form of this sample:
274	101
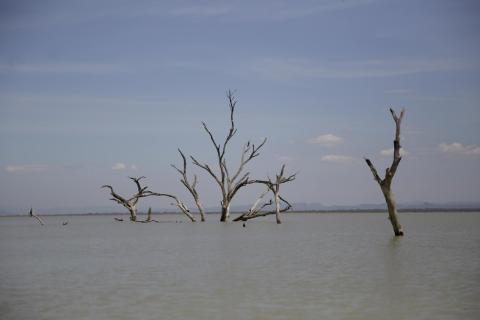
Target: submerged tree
191	187
142	192
274	187
32	214
230	182
385	183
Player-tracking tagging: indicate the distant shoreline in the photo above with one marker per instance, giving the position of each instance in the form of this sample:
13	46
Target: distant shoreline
413	210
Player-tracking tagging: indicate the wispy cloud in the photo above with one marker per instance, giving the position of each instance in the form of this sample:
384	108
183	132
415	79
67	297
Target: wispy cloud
282	10
119	166
26	168
335	158
201	11
285	69
326	140
83	68
458	148
389	152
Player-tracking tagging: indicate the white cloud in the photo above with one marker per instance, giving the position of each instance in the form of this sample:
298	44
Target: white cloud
389	152
327	140
335	158
458	148
119	166
26	168
133	167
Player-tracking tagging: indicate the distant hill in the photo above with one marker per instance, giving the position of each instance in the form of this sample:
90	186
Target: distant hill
299	206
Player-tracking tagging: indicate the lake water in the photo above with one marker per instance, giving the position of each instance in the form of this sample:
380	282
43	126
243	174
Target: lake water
314	266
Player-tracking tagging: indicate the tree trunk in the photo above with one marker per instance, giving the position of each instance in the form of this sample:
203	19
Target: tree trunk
225	212
149	215
392	211
200	209
277	208
133	214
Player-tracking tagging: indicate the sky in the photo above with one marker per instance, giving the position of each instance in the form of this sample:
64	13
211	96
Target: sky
92	92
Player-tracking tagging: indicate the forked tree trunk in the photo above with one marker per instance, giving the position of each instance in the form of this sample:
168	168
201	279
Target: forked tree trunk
386	182
133	214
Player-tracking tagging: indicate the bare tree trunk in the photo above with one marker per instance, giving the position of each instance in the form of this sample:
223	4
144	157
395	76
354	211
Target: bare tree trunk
200	209
277	208
149	215
133	214
386	182
392	211
225	212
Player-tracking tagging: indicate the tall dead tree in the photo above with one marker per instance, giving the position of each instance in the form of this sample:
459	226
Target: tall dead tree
142	192
386	182
274	187
191	187
230	182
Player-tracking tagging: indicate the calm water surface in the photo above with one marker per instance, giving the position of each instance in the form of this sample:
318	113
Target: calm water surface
314	266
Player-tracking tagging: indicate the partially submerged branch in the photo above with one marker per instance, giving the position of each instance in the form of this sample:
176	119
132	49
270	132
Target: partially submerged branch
142	192
32	214
191	186
274	187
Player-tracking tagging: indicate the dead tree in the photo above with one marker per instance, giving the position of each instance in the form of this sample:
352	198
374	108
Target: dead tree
142	192
274	187
129	203
191	187
230	182
32	214
385	183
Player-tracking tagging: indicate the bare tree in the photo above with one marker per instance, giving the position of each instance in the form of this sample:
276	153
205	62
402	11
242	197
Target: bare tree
191	187
131	203
385	183
274	187
32	214
230	182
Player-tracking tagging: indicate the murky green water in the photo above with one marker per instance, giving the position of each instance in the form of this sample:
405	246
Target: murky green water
322	266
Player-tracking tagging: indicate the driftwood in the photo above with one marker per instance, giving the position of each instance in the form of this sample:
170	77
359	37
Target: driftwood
191	187
32	214
142	192
273	186
386	182
230	182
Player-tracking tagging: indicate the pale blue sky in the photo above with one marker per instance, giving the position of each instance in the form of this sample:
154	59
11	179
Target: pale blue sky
86	85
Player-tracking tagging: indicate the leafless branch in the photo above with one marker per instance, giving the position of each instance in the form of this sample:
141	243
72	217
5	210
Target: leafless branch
191	187
32	214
